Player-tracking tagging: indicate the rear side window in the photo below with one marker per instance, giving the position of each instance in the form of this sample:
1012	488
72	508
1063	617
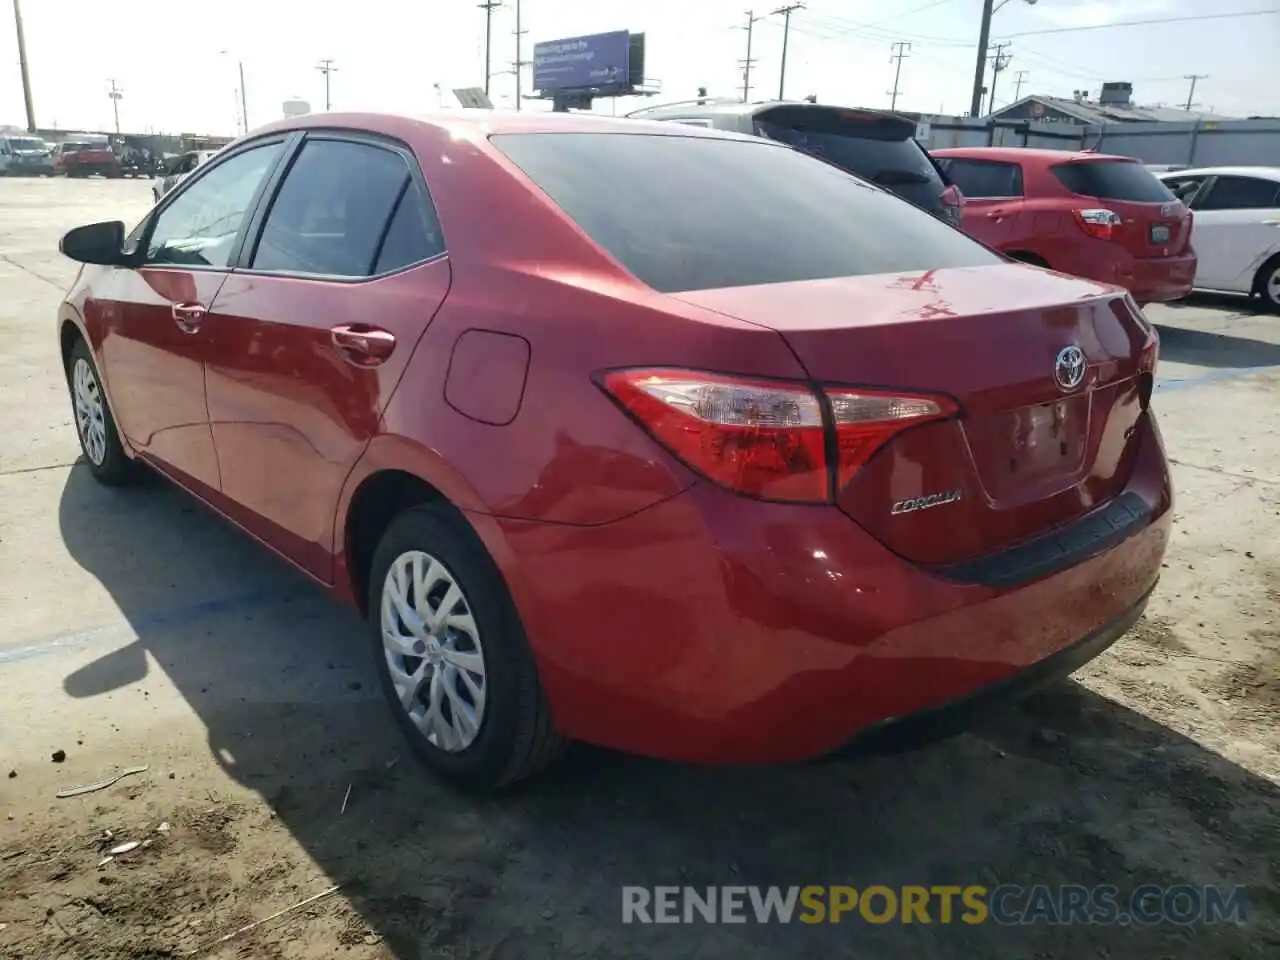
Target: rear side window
699	212
984	178
1112	180
1240	193
338	205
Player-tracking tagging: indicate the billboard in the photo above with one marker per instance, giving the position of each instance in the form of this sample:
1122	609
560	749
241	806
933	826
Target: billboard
575	63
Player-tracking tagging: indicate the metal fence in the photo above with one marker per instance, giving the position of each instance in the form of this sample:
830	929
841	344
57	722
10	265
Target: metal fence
1199	144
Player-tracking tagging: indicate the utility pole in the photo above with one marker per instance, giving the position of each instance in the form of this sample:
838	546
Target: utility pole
746	64
998	62
519	49
984	36
326	67
786	32
1193	77
488	7
899	54
115	93
1019	79
244	109
22	62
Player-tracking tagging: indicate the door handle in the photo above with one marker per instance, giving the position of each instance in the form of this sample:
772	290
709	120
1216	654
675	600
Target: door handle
188	316
362	344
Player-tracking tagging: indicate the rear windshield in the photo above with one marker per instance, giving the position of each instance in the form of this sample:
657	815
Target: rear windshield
1112	180
694	213
26	143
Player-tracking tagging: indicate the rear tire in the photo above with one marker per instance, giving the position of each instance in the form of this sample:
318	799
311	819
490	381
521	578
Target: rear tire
95	426
452	656
1267	284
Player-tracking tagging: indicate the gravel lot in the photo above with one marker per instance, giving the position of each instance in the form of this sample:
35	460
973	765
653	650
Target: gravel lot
139	630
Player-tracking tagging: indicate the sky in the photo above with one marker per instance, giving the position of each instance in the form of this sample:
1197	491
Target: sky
178	65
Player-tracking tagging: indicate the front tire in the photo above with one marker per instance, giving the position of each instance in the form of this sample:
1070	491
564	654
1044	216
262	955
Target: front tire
452	656
96	428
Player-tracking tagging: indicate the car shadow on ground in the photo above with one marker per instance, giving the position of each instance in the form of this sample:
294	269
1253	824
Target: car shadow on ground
1068	788
1238	304
1216	350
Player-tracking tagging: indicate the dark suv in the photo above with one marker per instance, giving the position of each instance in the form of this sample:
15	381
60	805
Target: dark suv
878	147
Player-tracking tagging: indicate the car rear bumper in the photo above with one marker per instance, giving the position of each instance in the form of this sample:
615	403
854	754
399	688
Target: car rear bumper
714	628
1158	279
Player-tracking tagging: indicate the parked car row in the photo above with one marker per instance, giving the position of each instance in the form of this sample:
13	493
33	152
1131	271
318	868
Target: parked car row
653	435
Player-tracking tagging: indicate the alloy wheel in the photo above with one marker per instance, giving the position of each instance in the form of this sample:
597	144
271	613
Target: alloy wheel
1271	285
90	412
433	651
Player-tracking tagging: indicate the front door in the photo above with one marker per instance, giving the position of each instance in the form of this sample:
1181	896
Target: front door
154	317
993	199
309	339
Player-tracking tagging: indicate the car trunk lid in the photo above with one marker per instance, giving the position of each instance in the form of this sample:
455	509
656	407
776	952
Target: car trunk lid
1026	453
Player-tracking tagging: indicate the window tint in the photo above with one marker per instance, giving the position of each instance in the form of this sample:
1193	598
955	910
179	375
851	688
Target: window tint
984	178
199	227
1112	180
413	234
701	212
333	210
1184	188
888	162
1240	193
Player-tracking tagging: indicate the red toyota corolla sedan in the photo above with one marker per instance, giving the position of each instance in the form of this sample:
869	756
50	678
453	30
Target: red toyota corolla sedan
675	441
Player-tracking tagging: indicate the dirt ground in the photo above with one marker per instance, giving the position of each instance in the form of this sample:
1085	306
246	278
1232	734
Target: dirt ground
139	630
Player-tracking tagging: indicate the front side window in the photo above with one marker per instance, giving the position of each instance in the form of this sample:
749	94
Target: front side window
199	227
1240	193
700	212
347	209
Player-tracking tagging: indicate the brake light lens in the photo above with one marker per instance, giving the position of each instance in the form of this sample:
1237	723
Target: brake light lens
767	439
1099	223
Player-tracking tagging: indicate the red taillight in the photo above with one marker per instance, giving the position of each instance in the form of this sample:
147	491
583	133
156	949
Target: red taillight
1098	223
764	438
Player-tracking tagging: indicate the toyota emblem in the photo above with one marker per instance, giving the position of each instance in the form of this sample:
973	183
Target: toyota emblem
1068	368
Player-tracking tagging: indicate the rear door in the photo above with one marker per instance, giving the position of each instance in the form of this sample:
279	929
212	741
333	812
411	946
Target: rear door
877	147
312	333
1153	222
1237	228
993	195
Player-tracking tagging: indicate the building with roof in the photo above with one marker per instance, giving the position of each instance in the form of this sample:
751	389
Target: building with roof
1114	105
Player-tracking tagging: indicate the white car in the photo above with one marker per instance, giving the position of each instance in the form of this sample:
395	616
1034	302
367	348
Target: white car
1236	231
181	167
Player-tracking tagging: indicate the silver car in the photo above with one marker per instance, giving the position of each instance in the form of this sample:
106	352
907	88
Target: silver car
182	166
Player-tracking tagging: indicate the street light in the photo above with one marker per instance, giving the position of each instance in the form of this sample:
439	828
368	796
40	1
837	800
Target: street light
984	35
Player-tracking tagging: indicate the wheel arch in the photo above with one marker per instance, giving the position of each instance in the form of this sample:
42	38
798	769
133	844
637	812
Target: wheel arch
393	475
1028	257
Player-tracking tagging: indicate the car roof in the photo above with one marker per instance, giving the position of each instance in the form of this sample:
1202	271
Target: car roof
480	124
1265	173
1034	154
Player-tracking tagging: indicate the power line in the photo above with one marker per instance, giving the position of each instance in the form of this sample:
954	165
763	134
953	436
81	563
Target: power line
326	67
488	7
1193	77
899	54
786	31
749	60
1143	23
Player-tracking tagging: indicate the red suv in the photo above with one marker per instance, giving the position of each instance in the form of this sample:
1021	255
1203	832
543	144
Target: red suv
1089	214
84	158
733	470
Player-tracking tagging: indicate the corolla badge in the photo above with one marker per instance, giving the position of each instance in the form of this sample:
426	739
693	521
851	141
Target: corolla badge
1068	367
927	502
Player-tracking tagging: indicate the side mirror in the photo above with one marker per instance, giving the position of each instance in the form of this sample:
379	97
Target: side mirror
100	243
